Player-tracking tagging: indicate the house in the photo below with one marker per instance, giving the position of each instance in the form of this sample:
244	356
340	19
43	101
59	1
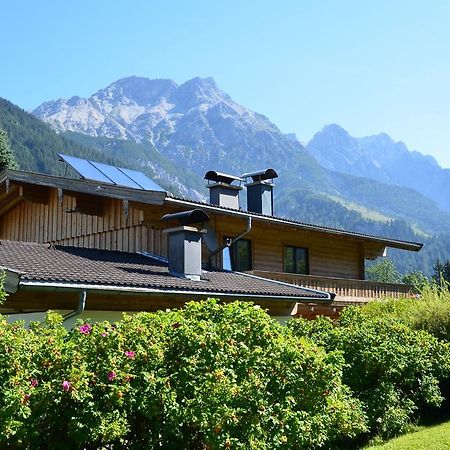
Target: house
127	248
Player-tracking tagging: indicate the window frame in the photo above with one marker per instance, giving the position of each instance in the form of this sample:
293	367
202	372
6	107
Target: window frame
233	254
295	262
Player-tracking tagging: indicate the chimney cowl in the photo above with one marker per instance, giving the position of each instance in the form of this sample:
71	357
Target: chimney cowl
222	191
261	175
185	243
260	191
220	177
187	217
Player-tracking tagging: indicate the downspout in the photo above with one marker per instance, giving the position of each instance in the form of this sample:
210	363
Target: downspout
230	242
80	308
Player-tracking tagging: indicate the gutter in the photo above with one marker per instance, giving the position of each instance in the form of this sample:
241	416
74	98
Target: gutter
80	308
230	242
69	287
11	280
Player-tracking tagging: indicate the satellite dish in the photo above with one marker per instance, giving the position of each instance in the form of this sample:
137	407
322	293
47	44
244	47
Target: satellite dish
209	238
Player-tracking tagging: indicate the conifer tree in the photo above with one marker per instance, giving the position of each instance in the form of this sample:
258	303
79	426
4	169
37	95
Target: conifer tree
7	159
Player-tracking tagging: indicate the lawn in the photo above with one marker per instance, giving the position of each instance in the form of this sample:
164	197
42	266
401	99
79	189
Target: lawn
435	437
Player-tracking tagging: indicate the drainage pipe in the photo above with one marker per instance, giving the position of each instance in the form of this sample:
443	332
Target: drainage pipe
80	308
230	242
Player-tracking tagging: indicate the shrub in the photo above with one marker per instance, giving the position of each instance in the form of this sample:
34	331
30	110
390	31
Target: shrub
206	376
393	370
429	312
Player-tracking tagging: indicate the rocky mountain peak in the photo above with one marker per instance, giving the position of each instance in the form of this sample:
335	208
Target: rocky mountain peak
196	123
198	91
333	128
335	149
140	90
335	139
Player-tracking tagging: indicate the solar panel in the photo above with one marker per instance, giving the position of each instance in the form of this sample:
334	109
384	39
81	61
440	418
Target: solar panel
116	175
85	168
96	171
141	179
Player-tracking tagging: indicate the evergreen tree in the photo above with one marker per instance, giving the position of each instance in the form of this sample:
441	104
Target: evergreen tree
383	271
7	159
442	273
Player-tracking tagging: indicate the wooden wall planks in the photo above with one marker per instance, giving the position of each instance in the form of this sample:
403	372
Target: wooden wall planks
140	230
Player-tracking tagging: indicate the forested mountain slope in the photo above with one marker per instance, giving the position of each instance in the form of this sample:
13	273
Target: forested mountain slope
177	132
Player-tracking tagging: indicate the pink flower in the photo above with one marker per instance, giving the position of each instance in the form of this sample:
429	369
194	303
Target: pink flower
104	334
111	375
66	386
34	382
85	329
130	354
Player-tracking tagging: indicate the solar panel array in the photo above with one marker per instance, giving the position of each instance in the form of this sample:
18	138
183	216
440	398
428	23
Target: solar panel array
96	171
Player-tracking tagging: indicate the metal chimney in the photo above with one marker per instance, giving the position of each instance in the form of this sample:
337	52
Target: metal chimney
221	190
185	245
260	191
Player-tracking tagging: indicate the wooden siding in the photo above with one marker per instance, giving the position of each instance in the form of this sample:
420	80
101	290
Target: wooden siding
59	222
347	290
328	255
74	219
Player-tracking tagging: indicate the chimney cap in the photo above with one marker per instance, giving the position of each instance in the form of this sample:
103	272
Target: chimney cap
218	177
261	175
187	217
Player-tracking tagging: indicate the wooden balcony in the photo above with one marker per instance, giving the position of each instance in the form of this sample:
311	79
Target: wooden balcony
347	291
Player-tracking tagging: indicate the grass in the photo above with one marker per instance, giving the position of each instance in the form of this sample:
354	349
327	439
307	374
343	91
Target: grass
365	213
435	437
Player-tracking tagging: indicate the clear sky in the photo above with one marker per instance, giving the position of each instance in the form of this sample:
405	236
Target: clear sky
370	66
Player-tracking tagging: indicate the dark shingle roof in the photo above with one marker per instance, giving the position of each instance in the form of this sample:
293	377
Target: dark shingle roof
72	265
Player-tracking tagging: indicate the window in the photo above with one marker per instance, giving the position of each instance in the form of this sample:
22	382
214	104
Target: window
239	256
296	260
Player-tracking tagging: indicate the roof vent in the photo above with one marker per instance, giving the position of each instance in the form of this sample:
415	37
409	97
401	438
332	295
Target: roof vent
222	191
185	246
260	191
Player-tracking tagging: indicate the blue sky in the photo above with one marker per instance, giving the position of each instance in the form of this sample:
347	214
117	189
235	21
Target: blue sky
371	67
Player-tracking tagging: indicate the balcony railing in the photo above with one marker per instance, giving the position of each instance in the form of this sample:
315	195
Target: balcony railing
345	289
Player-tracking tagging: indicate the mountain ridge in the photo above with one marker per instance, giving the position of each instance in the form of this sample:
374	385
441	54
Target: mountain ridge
379	157
198	127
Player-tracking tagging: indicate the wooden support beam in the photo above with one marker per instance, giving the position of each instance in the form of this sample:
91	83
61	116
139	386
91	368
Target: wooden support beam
92	205
36	194
17	192
152	216
11	199
373	251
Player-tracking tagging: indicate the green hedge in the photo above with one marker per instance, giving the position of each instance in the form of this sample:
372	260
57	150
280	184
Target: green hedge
214	376
208	376
393	370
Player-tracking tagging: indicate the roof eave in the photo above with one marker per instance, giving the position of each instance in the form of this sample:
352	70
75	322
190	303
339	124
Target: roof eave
25	285
84	186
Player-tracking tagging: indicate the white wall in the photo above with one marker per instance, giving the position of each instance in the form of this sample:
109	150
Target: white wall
94	316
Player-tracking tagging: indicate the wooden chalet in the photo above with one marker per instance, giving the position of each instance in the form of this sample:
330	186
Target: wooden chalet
81	213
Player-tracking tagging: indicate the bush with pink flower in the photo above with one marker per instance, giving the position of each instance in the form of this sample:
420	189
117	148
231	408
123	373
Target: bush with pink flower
209	375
